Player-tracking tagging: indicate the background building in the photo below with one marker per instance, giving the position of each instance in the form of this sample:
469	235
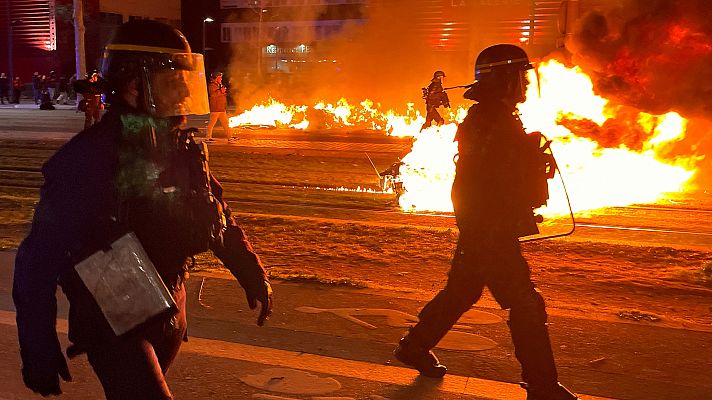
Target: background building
38	35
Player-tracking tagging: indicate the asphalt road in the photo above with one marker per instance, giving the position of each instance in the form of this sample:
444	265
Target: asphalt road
680	225
326	342
335	343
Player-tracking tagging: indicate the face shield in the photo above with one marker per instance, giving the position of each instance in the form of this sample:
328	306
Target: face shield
171	83
177	87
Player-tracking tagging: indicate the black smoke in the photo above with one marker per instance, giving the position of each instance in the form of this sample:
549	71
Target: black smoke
654	55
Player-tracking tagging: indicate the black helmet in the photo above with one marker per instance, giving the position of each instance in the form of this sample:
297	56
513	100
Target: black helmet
500	74
170	78
501	57
438	74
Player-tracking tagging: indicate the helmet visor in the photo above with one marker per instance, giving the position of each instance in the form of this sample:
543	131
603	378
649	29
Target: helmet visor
178	87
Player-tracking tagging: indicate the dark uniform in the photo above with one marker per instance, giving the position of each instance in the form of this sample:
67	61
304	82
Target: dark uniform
133	171
493	196
435	97
4	88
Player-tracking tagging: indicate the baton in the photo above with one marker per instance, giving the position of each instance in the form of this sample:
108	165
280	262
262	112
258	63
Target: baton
373	165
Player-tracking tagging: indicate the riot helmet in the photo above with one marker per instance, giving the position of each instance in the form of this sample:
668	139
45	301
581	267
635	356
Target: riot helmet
500	72
438	75
170	79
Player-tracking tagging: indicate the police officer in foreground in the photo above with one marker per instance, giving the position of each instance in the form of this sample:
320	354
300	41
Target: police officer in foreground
136	170
493	197
435	96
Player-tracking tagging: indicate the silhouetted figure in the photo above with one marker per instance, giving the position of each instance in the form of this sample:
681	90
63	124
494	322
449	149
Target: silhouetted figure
4	88
137	170
62	95
46	102
435	97
217	92
36	87
494	195
16	90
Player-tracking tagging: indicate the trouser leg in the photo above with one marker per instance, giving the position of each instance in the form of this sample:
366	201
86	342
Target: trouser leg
214	116
224	122
429	118
463	289
134	368
437	117
512	287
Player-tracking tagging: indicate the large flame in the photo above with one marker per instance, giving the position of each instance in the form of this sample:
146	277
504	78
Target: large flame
608	155
596	176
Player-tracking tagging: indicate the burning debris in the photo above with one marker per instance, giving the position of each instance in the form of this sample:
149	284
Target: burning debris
605	167
609	153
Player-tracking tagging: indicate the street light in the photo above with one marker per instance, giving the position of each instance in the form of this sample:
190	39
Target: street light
208	19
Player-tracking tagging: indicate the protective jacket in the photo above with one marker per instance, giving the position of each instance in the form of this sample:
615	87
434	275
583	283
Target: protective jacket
435	96
492	190
217	94
96	186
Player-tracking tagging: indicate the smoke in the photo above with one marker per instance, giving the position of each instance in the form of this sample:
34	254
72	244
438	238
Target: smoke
382	57
655	55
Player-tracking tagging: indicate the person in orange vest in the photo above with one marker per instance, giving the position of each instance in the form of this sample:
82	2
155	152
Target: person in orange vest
217	94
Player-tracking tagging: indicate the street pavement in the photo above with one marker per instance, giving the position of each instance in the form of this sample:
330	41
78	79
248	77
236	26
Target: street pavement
329	342
326	342
27	122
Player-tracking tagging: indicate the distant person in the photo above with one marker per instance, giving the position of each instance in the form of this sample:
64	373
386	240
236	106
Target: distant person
16	90
4	88
36	87
62	95
51	85
435	96
496	189
72	94
217	93
91	90
46	102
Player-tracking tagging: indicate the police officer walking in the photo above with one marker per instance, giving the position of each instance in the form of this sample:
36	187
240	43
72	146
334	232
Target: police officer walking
136	170
493	199
435	96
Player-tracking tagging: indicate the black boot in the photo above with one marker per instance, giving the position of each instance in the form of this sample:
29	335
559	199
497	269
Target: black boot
419	358
555	392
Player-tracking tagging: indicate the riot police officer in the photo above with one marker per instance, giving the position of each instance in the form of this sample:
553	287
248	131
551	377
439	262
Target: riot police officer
135	170
493	201
435	96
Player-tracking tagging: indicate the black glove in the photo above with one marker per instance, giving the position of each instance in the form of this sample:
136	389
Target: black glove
41	373
257	288
235	251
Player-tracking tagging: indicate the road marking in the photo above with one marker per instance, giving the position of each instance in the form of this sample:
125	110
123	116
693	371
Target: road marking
386	374
455	339
291	381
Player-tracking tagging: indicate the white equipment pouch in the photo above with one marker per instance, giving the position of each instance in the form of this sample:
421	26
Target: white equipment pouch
125	284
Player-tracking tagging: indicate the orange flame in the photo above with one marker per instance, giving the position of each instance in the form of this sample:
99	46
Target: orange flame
599	167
